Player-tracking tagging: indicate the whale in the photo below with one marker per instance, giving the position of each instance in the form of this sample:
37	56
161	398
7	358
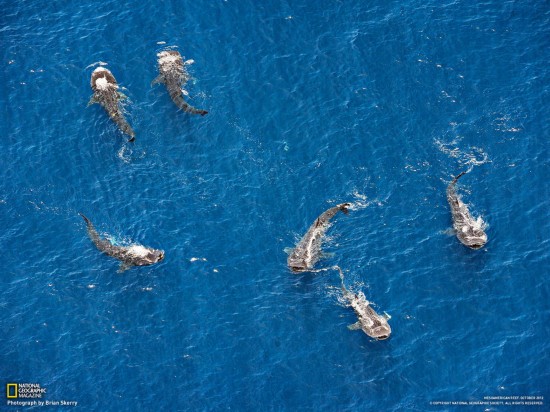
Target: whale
468	230
370	322
107	95
173	73
134	255
308	250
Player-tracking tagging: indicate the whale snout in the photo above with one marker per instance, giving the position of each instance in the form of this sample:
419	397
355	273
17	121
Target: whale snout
158	255
297	265
297	269
153	256
476	242
381	332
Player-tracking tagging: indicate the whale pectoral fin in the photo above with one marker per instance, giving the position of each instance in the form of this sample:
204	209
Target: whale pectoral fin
355	326
92	100
450	231
123	267
288	250
387	315
158	79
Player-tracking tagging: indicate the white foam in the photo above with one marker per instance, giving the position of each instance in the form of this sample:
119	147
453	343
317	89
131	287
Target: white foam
125	154
99	63
479	224
362	201
100	69
477	157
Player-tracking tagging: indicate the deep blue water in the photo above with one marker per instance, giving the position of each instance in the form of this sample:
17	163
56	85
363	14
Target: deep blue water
311	104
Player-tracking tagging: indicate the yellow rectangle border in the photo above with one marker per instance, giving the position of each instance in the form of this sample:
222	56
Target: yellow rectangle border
8	386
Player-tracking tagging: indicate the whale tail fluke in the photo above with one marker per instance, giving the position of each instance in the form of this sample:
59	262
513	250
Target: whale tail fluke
186	107
124	126
85	219
91	230
344	207
341	273
458	177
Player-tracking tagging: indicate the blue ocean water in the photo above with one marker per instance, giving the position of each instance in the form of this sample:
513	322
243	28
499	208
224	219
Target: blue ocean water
311	104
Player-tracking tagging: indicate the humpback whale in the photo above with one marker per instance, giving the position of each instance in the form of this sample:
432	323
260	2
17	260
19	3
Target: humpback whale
308	250
370	322
173	74
468	230
134	255
106	93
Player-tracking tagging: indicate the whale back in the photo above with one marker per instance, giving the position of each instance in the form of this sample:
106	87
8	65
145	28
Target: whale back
174	75
133	255
469	231
106	93
308	250
172	68
371	323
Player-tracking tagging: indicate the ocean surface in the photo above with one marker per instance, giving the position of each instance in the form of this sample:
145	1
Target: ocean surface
312	103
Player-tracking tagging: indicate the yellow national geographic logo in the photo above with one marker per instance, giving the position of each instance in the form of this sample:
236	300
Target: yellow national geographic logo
11	391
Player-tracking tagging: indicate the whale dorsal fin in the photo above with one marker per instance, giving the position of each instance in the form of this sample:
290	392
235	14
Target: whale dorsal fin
92	100
158	79
123	267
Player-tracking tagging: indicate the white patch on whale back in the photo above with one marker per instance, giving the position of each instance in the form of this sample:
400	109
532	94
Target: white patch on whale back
101	83
312	245
138	251
168	58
